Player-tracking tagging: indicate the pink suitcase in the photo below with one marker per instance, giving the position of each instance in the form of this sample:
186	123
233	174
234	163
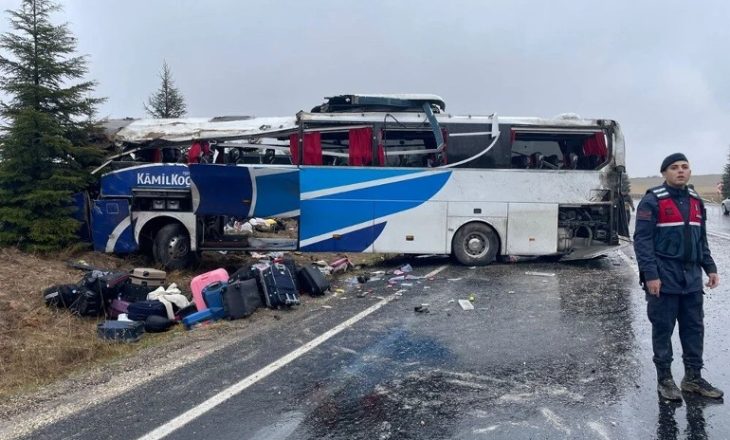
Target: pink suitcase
201	281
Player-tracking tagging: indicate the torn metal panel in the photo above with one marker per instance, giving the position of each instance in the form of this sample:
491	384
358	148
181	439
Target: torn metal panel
189	129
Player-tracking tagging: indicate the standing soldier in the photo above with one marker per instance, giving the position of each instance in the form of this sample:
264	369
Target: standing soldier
670	242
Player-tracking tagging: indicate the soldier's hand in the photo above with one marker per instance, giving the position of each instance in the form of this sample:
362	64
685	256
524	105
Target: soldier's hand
653	287
714	280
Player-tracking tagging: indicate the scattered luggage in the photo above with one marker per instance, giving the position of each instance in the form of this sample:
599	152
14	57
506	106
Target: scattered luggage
277	286
120	331
241	299
117	307
61	296
157	324
134	292
145	276
312	281
201	281
140	310
198	317
107	283
244	273
213	295
185	311
89	303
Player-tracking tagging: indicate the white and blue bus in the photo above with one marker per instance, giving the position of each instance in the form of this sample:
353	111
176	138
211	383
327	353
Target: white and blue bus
367	173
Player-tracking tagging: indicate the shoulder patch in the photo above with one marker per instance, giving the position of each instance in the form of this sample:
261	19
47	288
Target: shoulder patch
644	214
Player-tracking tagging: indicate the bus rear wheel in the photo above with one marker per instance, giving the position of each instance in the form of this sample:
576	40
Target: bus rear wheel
475	244
171	248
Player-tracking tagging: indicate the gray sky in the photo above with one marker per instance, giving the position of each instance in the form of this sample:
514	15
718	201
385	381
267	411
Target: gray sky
659	68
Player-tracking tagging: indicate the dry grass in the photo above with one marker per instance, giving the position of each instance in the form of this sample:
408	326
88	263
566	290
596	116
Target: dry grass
39	345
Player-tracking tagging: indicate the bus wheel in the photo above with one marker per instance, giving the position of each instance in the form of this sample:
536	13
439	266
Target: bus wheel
172	247
475	244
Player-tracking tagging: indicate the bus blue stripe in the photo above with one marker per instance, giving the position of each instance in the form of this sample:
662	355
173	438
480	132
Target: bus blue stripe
337	211
355	241
314	179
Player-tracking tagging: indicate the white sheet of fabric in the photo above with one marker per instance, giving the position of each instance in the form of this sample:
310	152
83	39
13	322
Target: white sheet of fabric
168	297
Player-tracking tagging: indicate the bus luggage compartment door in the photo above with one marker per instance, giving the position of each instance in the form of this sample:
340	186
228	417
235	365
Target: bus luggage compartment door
111	226
245	190
532	228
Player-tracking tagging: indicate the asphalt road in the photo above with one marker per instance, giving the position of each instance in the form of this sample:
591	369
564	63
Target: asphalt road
564	353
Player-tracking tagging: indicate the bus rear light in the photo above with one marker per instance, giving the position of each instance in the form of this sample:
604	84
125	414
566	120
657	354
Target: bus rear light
173	205
158	204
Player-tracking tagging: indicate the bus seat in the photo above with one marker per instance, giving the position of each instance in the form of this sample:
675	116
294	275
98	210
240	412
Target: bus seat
520	162
552	160
536	160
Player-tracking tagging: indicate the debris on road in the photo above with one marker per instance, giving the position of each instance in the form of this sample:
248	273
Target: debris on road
540	274
466	304
423	308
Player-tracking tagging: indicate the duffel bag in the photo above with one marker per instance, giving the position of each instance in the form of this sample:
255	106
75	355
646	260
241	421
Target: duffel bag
89	303
61	296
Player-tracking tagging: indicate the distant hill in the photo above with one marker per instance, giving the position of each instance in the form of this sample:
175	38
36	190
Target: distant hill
705	184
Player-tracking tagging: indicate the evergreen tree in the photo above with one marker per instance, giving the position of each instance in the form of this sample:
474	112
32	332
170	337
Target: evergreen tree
167	102
726	180
45	149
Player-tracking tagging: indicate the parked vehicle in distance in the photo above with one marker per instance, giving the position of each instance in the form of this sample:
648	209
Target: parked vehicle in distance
725	206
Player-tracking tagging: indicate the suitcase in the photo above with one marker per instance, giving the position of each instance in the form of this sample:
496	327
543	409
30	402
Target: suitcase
277	286
117	307
145	276
134	292
290	264
120	331
198	317
241	299
213	295
244	273
312	281
140	310
185	311
199	282
109	284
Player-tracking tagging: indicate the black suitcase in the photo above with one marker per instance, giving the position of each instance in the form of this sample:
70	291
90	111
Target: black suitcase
242	274
107	283
241	299
121	331
157	324
312	281
277	286
140	310
290	264
134	292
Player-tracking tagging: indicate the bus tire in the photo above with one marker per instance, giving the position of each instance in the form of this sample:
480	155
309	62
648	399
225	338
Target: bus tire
171	248
475	244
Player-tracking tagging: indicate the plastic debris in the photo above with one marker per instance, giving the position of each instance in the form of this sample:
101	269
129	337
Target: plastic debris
453	279
466	304
540	274
398	278
472	297
406	284
423	308
378	272
407	268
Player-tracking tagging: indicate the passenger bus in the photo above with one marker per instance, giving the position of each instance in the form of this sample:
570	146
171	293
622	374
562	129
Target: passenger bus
365	173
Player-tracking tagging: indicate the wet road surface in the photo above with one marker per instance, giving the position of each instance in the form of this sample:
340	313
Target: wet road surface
540	357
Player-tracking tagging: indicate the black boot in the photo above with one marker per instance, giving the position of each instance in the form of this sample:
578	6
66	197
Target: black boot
694	383
666	387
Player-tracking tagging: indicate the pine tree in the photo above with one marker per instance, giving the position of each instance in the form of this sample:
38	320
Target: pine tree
726	180
45	150
167	102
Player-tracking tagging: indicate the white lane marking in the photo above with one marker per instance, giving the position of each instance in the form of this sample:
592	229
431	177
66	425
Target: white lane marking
231	391
719	235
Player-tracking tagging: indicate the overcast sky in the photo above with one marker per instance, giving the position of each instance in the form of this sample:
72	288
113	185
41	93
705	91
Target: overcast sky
659	68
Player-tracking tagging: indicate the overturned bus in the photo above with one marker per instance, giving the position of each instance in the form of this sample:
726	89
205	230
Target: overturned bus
365	173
